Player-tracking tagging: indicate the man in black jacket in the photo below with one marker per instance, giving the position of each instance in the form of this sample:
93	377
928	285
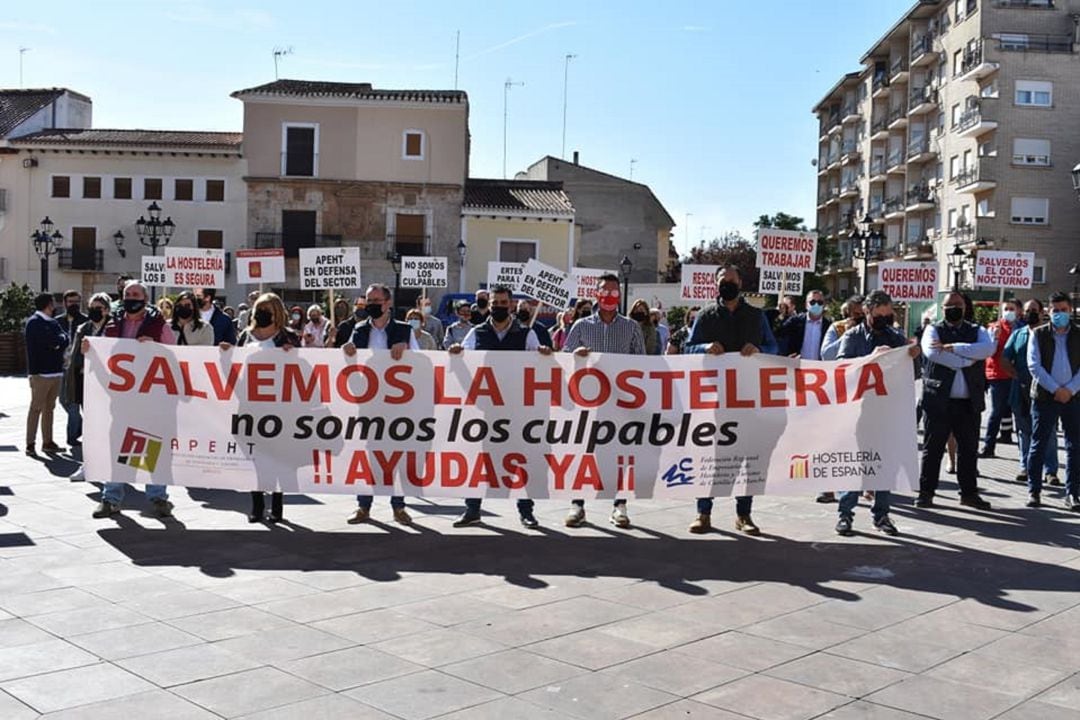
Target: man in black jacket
801	334
45	346
70	322
224	329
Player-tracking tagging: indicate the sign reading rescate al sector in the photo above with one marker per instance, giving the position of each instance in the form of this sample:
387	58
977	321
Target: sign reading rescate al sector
329	268
698	283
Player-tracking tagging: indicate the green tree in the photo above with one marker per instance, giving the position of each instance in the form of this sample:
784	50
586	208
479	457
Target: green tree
731	249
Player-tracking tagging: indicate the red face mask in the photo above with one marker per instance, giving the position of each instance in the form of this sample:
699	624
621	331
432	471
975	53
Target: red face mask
608	301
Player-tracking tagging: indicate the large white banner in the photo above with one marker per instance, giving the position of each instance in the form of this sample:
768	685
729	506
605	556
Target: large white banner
187	267
1004	269
423	272
329	268
255	267
497	424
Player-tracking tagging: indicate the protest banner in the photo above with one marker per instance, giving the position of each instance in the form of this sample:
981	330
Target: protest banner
153	271
496	424
546	283
780	282
423	272
909	281
1004	269
786	250
586	280
329	268
698	283
255	267
505	273
194	267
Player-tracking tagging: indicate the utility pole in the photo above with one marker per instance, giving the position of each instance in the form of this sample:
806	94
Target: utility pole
23	51
506	114
565	85
457	58
633	161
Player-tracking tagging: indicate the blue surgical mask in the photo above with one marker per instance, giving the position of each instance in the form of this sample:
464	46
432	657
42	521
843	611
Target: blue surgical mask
1060	318
1010	316
815	308
415	324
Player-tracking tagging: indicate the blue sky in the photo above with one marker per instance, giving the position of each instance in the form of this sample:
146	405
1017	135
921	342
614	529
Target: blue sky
712	99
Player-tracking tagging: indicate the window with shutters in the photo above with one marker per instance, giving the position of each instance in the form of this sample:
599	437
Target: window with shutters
211	239
121	188
215	191
412	145
1034	93
518	251
91	188
184	189
151	188
1030	211
300	149
1029	151
61	186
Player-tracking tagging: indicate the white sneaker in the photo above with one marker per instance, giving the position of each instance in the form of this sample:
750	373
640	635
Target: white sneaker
79	475
576	516
619	518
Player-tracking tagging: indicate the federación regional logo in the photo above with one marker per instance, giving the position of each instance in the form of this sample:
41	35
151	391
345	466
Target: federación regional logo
799	469
139	449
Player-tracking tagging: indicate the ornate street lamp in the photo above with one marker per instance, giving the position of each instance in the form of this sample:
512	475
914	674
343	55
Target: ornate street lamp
625	266
154	233
958	260
462	251
865	243
46	242
395	263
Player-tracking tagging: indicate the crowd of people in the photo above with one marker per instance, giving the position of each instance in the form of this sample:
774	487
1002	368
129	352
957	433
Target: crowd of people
1027	362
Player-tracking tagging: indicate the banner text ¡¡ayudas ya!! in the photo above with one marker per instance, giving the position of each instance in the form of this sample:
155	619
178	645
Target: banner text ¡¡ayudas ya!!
497	424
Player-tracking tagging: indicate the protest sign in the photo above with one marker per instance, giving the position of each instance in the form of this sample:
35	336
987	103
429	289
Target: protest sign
1004	269
698	283
255	267
496	424
777	282
786	250
423	272
586	280
153	271
545	283
505	273
329	268
909	281
194	267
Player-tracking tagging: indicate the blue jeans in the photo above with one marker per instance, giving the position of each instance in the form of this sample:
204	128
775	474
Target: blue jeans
1023	439
999	408
743	505
1045	416
114	492
74	422
396	501
525	506
850	498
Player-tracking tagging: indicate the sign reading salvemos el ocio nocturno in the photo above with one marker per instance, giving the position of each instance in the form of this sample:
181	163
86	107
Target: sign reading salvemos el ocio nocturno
497	424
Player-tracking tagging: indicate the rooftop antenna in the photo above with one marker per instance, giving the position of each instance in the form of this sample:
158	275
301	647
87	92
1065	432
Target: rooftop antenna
22	51
280	52
565	83
506	114
633	162
457	58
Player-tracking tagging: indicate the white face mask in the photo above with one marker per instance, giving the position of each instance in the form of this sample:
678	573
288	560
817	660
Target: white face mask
414	323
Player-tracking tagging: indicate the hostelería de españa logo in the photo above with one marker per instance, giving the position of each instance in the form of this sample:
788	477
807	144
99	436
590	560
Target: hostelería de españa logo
799	468
140	450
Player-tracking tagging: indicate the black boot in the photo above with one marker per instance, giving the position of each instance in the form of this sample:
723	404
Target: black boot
258	506
276	512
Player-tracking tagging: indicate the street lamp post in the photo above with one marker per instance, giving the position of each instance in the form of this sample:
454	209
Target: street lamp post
625	266
865	242
395	263
462	251
46	242
957	261
118	240
154	233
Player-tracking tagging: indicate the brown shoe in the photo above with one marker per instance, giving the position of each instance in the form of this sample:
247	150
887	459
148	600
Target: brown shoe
402	517
51	448
362	515
702	525
743	523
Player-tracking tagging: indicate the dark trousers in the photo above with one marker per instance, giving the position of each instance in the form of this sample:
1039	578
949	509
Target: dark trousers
525	506
959	419
258	503
1044	421
743	505
999	409
364	501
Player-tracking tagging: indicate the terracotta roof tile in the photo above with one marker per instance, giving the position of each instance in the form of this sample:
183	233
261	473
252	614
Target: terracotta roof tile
357	91
517	195
183	139
16	106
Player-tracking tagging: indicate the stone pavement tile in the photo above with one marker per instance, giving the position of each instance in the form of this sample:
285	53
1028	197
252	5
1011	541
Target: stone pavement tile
663	629
506	709
283	644
516	597
1055	626
861	710
26	582
894	650
234	622
1005	675
598	696
248	692
864	613
41	657
12	709
450	610
806	631
15	632
747	652
947	633
373	626
979	613
1062	652
324	707
512	671
943	699
133	640
69	688
540	623
920	601
687	710
647	595
84	574
326	580
349	668
442	646
676	673
768	698
78	622
188	664
592	649
1035	710
180	604
310	608
144	587
151	704
422	695
1064	694
838	675
263	590
50	601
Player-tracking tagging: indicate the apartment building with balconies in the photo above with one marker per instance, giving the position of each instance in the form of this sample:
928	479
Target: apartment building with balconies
960	131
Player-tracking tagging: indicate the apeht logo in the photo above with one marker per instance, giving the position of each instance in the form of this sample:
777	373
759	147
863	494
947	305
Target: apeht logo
799	469
679	473
139	449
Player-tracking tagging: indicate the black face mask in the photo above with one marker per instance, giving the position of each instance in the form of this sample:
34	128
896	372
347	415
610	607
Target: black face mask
881	322
954	314
360	313
481	304
72	310
524	316
263	318
1032	318
727	291
374	311
134	307
97	314
637	316
583	314
500	314
184	312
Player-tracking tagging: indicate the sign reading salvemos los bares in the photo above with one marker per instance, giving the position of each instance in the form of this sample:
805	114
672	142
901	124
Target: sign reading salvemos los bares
786	250
496	424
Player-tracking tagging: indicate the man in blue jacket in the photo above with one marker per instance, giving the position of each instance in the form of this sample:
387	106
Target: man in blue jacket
224	330
45	346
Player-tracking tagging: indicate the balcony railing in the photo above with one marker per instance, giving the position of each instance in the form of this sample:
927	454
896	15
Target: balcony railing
849	147
877	208
894	204
977	173
897	113
923	94
879	125
877	166
896	157
972	117
919	195
921	46
973	57
880	82
1024	42
70	259
918	147
849	109
898	65
1032	4
292	242
409	244
832	158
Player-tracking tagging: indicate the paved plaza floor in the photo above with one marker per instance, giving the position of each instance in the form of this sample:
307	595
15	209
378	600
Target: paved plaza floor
966	615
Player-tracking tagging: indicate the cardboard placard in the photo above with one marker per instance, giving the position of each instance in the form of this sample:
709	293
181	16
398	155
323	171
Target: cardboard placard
329	268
